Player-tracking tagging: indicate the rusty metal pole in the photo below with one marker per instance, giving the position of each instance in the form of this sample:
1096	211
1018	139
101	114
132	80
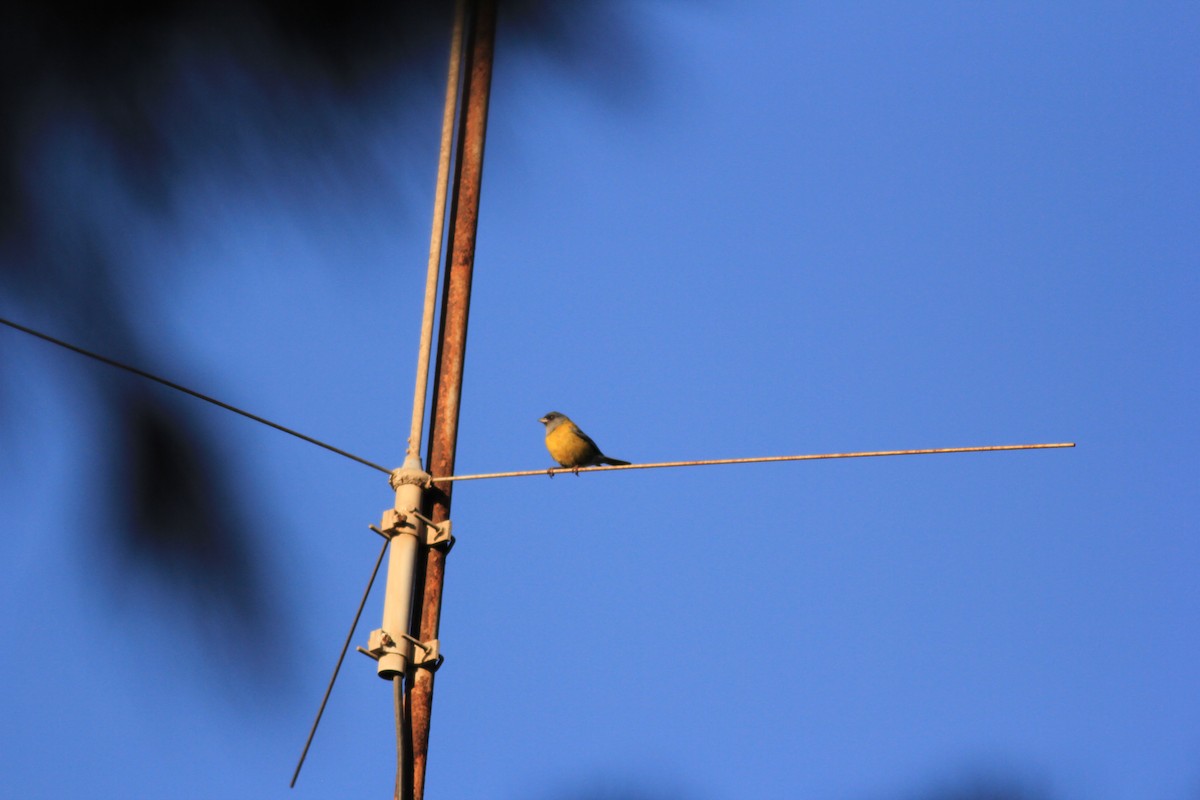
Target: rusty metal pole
452	340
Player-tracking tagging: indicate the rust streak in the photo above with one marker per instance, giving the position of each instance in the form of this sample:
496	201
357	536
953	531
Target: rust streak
452	339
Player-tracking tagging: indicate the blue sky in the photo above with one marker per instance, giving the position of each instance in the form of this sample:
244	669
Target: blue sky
787	228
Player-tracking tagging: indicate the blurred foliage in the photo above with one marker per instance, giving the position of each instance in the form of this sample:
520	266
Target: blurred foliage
108	106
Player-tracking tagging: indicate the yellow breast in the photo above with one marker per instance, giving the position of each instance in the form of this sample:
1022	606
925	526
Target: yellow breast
569	448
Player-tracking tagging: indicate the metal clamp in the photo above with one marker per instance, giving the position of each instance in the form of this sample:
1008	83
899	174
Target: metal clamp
397	522
412	650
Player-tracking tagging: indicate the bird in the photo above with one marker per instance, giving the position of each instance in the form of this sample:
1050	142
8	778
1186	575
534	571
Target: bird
570	446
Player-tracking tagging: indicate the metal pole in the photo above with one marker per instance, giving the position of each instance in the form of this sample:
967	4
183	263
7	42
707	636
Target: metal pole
402	560
447	391
449	107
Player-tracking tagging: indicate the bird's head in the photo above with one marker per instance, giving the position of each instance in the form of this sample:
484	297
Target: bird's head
553	419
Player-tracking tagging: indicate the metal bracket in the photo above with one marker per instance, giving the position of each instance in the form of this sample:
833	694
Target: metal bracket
397	522
415	652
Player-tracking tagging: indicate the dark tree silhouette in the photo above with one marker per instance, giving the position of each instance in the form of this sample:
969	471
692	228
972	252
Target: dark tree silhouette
128	98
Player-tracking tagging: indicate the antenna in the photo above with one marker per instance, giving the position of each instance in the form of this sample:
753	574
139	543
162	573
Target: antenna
406	647
404	526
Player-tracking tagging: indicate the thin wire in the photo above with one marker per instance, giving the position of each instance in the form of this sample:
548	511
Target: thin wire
397	702
198	395
337	667
760	460
436	234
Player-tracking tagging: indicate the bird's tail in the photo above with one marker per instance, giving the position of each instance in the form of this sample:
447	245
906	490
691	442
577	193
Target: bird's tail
615	462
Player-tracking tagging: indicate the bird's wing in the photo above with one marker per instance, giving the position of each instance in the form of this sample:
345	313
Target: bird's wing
585	438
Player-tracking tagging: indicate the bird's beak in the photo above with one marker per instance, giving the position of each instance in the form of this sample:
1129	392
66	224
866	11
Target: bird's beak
542	420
